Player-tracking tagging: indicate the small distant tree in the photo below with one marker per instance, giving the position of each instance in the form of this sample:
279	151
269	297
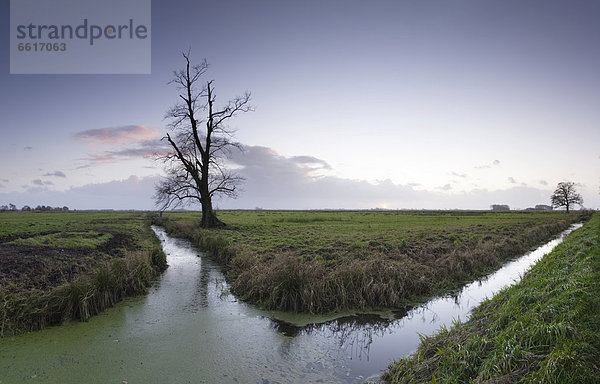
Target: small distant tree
565	195
12	207
500	207
26	208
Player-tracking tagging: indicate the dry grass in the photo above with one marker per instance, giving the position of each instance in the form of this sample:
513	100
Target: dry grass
322	262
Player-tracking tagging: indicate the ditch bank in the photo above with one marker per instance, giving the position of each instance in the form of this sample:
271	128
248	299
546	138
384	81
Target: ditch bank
382	277
541	330
43	285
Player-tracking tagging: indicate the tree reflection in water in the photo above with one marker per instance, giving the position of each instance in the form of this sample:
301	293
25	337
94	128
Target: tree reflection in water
354	333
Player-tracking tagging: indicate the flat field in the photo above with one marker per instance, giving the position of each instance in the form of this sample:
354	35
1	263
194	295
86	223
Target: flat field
86	258
319	261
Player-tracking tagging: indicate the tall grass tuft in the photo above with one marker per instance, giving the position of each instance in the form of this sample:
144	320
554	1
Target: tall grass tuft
82	298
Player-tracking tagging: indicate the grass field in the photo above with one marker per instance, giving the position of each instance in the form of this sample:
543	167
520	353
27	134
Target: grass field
56	266
331	261
542	330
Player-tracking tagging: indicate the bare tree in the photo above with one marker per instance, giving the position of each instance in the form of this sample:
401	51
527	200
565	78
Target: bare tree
196	166
566	195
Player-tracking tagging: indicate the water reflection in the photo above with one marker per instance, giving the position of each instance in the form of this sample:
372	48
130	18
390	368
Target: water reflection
370	341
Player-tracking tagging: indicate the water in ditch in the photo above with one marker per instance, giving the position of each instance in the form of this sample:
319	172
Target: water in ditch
189	329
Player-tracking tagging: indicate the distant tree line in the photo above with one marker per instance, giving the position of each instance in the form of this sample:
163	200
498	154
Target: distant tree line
540	207
26	208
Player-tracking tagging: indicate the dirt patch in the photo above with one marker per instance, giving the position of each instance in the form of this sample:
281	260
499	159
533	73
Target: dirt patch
37	267
119	242
32	267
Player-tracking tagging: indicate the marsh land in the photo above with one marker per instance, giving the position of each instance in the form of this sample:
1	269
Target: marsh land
320	261
72	265
56	266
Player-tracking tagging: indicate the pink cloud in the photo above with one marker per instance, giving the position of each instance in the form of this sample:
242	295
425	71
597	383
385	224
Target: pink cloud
117	135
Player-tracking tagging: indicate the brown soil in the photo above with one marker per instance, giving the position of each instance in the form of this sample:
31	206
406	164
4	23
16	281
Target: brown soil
36	267
24	267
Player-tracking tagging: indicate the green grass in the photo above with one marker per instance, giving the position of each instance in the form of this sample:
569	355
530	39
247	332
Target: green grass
333	261
542	330
57	266
65	239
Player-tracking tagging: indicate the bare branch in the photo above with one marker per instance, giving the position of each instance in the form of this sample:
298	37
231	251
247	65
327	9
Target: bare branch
197	168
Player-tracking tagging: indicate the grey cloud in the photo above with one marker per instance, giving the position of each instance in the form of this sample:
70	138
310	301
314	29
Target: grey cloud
145	149
143	186
275	181
56	173
512	180
132	193
37	182
37	189
543	182
310	160
487	166
463	175
151	150
28	148
298	190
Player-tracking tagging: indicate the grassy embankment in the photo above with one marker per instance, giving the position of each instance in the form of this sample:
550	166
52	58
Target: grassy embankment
542	330
332	261
71	265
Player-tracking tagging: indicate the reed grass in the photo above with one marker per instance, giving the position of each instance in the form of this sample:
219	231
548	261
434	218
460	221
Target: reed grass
322	262
82	298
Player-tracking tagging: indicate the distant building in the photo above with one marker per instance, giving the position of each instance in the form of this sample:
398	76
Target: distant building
500	207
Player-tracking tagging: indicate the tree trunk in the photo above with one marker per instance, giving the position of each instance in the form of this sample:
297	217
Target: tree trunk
209	218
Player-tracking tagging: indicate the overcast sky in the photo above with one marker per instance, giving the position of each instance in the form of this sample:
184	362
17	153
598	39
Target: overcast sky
359	104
